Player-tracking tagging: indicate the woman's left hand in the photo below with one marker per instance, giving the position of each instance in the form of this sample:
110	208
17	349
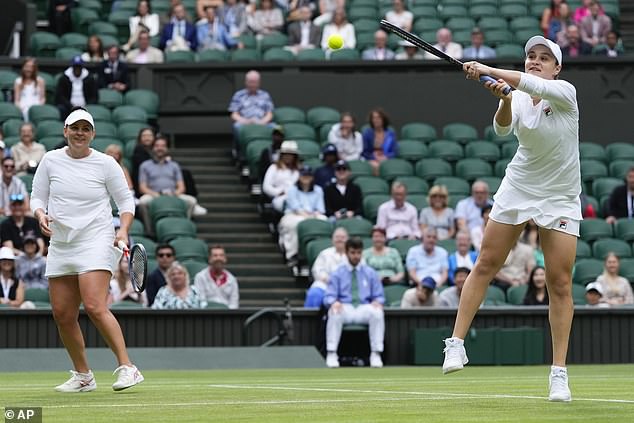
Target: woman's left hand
473	70
121	235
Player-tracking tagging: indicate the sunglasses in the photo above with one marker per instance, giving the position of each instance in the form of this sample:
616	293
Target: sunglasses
338	169
8	166
164	255
16	197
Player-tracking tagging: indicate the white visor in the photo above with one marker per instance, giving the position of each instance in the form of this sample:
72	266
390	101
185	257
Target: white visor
78	115
553	47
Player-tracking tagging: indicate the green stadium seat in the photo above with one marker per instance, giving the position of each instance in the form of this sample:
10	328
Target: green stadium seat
371	205
310	229
619	168
509	149
49	128
489	133
578	294
274	40
365	25
455	186
212	56
74	40
418	131
356	227
136	228
412	150
44	44
150	249
124	114
418	200
524	22
601	248
479	2
592	169
250	133
182	56
593	229
288	114
50	143
492	181
360	168
448	150
278	53
308	149
620	151
253	153
194	267
403	246
583	249
452	11
11	141
130	130
626	268
121	19
9	111
28	181
485	150
431	168
299	131
362	12
324	130
495	296
170	228
11	127
523	35
146	99
414	184
461	23
311	54
166	206
100	144
99	112
314	247
345	54
110	98
39	113
249	41
393	168
495	37
190	249
587	270
603	187
612	10
462	37
245	55
393	295
624	229
513	11
372	185
82	18
509	51
448	244
537	8
106	129
67	53
101	28
492	22
7	79
482	10
460	132
592	151
36	294
516	294
322	115
424	24
595	204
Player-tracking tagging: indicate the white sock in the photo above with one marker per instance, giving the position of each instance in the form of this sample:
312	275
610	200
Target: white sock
557	368
456	340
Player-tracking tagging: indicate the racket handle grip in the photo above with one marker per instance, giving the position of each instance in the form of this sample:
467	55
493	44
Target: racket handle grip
122	245
485	78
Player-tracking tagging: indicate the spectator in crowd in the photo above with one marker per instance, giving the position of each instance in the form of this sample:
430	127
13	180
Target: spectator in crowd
444	44
144	53
11	186
15	229
250	105
271	154
548	14
29	88
305	200
121	288
516	268
143	21
612	47
536	293
584	10
410	52
380	50
594	28
142	152
213	34
325	174
59	16
166	18
325	264
594	295
379	140
616	289
94	50
115	152
463	257
75	88
385	260
234	15
422	295
478	232
355	295
266	19
201	5
398	217
27	153
216	284
469	210
530	236
31	265
178	294
113	73
587	208
427	260
341	26
11	287
327	9
399	16
343	197
346	138
620	201
438	215
165	256
571	43
179	34
282	175
304	34
450	297
478	50
560	23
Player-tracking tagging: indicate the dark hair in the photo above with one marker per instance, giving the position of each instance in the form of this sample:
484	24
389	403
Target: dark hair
7	158
485	209
161	137
351	116
164	247
354	243
142	130
216	247
384	117
149	6
311	188
461	269
99	49
531	292
379	230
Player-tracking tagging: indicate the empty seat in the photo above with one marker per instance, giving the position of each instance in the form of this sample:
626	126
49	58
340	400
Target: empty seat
516	294
44	44
210	55
322	115
484	150
245	55
403	246
170	228
603	187
510	51
418	131
432	168
181	56
445	149
310	229
509	149
587	270
9	111
392	168
624	229
592	151
190	249
130	130
601	248
124	114
278	53
272	40
99	112
356	227
592	169
360	168
308	149
492	181
592	229
167	206
372	185
620	151
288	114
412	150
314	247
311	54
49	128
460	132
495	296
371	205
145	99
248	133
414	184
299	131
471	169
619	168
110	98
583	249
345	54
11	127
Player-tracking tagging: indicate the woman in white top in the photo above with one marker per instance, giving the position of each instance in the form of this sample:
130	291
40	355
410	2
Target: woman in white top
29	89
341	26
616	289
282	175
143	20
346	138
71	201
399	16
542	183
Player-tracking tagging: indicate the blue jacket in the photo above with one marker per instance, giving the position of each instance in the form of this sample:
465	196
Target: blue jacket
222	35
453	265
308	201
340	285
190	35
325	175
389	144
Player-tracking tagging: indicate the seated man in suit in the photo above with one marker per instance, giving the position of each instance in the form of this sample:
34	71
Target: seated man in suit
113	73
303	34
477	50
621	202
355	295
179	34
380	50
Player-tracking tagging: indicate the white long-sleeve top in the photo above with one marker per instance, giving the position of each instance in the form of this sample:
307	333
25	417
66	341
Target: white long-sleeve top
277	181
327	262
76	192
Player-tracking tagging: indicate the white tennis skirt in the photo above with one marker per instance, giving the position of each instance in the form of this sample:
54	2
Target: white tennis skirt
91	249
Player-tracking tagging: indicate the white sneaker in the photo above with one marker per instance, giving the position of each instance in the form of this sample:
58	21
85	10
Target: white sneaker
375	359
127	376
199	210
558	385
78	382
455	355
332	360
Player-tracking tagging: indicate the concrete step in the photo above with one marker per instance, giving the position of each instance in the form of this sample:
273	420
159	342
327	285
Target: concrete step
248	302
239	227
268	257
237	217
260	269
231	237
247	248
272	294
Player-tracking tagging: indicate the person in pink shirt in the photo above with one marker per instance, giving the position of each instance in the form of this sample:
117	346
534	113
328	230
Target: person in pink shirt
583	11
397	217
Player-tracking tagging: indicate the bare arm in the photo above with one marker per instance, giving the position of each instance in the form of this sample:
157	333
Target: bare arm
145	189
41	90
266	118
17	92
412	276
180	187
19	295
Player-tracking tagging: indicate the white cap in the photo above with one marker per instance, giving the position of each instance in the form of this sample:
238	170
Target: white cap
553	47
289	147
6	253
596	286
78	115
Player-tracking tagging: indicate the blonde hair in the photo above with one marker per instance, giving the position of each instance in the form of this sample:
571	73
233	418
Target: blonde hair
113	149
176	266
439	190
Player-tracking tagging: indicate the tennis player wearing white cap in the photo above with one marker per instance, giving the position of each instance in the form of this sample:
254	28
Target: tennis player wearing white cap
71	201
542	183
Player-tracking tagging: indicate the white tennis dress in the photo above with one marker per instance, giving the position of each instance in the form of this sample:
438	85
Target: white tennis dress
543	180
76	195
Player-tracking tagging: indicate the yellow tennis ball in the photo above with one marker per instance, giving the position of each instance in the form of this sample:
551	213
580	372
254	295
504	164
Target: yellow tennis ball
335	41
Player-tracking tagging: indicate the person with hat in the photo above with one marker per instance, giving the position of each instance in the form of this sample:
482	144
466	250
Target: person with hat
71	195
410	52
542	183
305	200
345	137
343	197
478	50
594	295
11	185
281	175
31	266
11	287
15	229
422	295
75	88
325	174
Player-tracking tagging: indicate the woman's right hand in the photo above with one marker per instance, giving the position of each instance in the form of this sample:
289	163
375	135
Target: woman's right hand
44	220
497	89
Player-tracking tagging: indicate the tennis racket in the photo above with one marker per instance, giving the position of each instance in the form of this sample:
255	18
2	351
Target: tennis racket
137	264
420	43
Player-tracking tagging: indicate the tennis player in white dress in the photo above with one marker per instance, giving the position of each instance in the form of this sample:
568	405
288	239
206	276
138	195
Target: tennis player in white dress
542	183
71	201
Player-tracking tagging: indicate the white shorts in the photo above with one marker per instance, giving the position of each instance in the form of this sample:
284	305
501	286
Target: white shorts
517	217
92	249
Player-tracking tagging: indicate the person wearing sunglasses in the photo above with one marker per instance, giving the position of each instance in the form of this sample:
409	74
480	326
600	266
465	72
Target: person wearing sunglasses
15	229
11	185
165	256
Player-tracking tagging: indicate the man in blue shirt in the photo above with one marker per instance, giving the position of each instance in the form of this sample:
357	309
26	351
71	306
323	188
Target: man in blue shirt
354	295
427	260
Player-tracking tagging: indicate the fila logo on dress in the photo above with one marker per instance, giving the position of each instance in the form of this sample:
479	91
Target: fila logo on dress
563	224
548	111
